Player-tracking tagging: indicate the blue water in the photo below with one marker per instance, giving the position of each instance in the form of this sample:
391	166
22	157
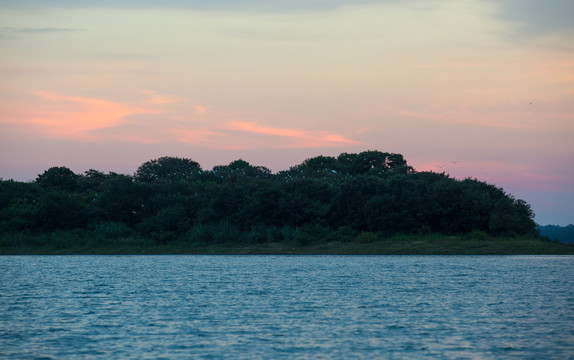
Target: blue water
286	307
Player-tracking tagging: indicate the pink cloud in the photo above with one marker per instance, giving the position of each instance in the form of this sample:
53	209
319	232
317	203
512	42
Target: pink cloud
74	116
156	99
157	118
199	109
293	138
55	115
160	99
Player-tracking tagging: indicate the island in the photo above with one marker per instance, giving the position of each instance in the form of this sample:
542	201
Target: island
370	202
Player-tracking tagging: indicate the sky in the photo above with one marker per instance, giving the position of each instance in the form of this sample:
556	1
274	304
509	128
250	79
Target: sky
481	89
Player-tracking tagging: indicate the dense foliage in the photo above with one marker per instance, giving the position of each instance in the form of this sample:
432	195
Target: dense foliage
349	196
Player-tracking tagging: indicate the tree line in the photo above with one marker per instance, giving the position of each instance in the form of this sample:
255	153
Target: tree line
172	198
563	234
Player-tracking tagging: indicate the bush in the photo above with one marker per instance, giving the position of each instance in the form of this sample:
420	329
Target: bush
199	234
257	234
112	230
313	233
346	233
478	235
224	232
287	233
367	237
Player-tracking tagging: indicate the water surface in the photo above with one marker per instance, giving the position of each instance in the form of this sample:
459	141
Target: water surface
286	307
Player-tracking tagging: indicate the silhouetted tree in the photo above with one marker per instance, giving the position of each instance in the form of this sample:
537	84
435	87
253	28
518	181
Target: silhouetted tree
368	193
58	177
122	200
240	169
167	169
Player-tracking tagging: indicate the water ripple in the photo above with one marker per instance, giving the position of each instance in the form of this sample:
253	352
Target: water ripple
286	307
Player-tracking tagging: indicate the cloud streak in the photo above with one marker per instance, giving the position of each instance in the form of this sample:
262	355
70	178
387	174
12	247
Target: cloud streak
65	116
225	5
11	33
292	138
37	30
159	118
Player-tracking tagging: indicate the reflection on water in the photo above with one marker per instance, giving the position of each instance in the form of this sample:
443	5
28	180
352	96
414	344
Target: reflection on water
250	307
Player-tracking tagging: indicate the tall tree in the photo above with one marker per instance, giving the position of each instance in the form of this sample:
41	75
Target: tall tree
240	169
58	177
168	169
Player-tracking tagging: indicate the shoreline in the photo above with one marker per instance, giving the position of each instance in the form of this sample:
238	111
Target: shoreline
396	245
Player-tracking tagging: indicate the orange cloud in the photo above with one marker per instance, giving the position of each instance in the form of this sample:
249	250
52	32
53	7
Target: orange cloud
155	98
73	116
95	119
200	109
295	138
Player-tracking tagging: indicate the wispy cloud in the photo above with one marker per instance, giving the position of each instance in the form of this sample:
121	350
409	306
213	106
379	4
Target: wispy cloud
291	138
153	119
159	118
200	109
27	30
226	5
66	116
16	32
11	33
155	98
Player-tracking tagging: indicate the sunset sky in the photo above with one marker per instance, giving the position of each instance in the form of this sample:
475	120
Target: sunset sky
481	89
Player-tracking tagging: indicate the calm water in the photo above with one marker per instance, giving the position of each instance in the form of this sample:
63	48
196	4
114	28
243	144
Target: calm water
286	307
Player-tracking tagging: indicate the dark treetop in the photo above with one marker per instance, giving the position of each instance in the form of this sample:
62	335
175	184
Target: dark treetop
172	198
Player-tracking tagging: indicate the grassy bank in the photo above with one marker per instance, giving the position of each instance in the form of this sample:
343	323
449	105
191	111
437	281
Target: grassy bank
68	243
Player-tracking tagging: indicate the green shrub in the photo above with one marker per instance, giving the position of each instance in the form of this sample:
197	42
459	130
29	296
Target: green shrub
346	233
287	233
224	232
478	235
199	234
367	237
112	230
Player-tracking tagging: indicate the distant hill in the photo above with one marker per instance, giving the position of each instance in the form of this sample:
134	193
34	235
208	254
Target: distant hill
564	234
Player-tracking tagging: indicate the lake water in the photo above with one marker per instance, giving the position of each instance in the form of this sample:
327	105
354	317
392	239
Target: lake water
286	307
